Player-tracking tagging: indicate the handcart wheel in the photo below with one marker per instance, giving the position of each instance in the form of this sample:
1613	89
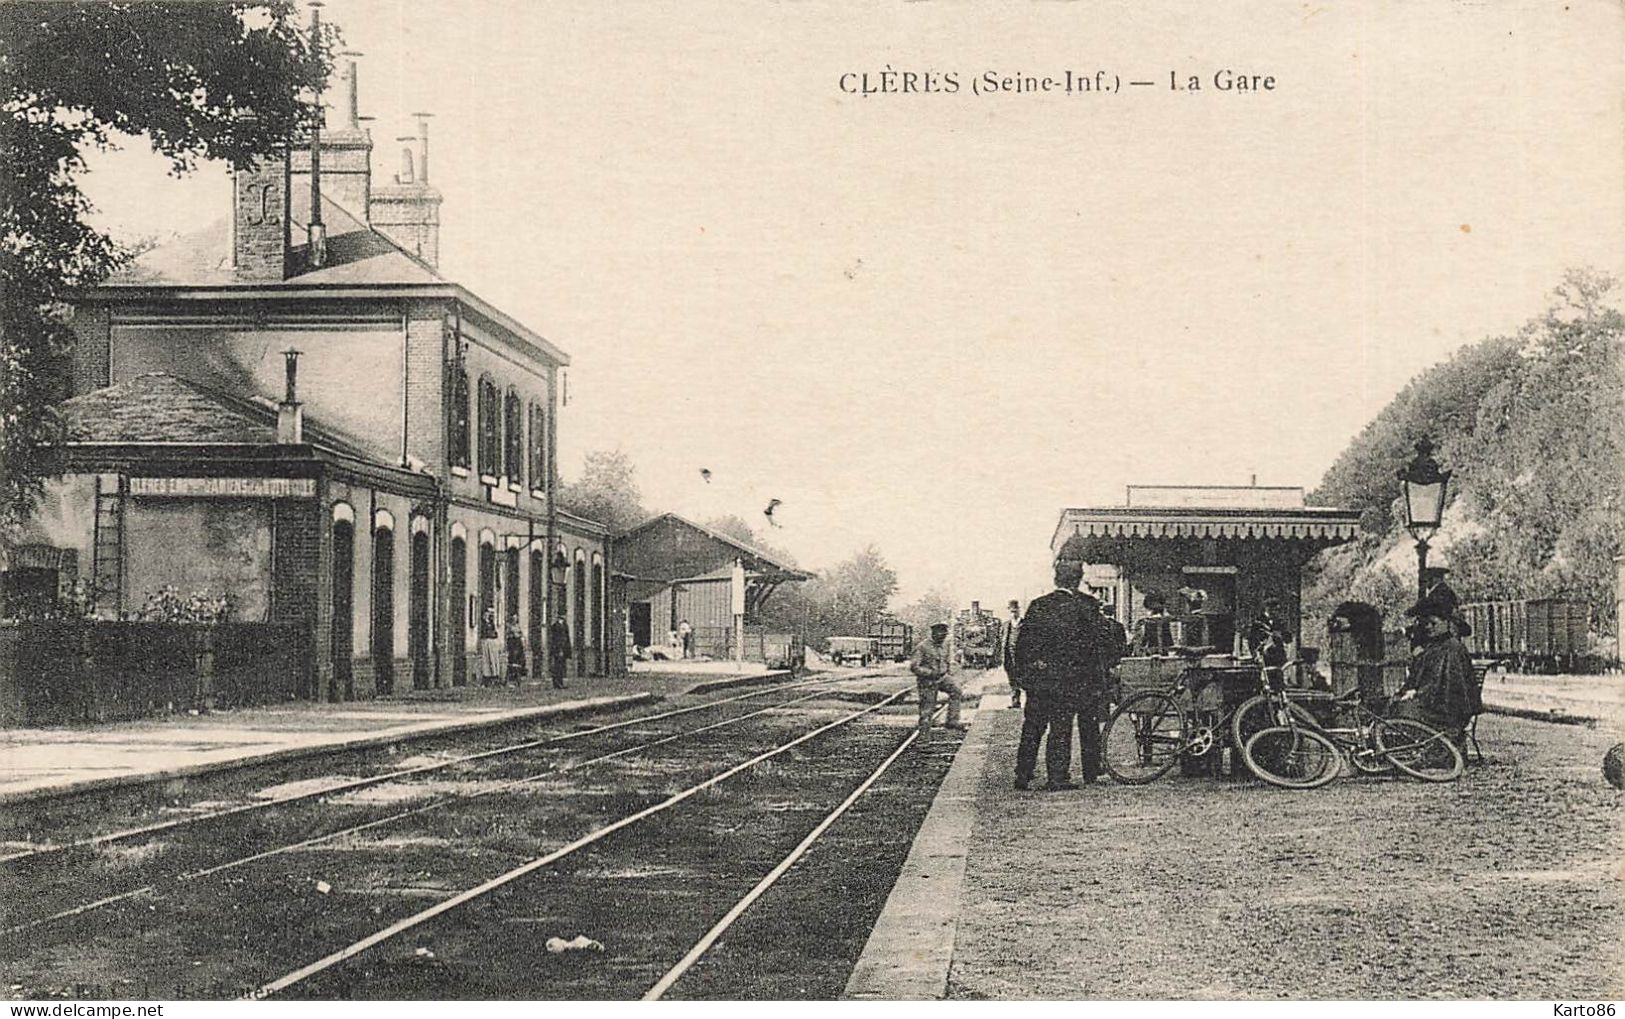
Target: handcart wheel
1144	738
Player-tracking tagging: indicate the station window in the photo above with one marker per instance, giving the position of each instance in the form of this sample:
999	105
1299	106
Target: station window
457	420
538	446
490	428
513	450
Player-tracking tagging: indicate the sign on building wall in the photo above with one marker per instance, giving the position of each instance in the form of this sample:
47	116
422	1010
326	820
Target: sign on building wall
225	488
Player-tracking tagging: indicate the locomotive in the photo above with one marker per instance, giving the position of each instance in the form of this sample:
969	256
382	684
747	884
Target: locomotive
976	637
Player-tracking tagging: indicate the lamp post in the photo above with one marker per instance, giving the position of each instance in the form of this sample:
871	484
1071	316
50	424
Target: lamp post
1423	484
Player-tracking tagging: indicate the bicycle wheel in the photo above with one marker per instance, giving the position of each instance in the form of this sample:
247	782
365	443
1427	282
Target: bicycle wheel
1292	758
1419	750
1261	712
1144	738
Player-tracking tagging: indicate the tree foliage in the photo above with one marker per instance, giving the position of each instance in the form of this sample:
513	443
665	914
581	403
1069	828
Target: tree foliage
607	491
935	606
200	81
1533	427
844	601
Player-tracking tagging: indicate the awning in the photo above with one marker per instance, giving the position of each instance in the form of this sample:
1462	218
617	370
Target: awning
1313	524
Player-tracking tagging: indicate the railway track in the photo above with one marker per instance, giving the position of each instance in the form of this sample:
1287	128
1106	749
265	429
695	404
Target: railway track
260	873
396	774
70	861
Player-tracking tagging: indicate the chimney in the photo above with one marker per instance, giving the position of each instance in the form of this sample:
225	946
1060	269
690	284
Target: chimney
290	417
975	608
341	156
259	219
408	211
405	176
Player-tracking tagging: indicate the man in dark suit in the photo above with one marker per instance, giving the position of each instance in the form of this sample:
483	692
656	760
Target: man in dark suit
1105	643
1054	645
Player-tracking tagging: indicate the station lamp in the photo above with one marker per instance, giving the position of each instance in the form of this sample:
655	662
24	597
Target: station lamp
1423	484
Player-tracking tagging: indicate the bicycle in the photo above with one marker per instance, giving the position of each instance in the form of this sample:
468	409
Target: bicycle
1152	731
1292	753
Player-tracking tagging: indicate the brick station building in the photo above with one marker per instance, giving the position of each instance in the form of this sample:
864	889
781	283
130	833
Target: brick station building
295	408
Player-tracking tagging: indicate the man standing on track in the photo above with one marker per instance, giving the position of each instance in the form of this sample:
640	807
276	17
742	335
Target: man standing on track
1052	653
932	667
1007	651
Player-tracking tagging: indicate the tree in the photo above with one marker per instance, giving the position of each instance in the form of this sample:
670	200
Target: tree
935	606
607	491
1533	426
844	601
735	527
201	81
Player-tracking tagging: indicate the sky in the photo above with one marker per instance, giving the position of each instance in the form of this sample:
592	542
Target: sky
929	322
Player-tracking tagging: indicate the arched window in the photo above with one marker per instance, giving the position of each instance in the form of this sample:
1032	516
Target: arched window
457	419
490	428
538	446
513	450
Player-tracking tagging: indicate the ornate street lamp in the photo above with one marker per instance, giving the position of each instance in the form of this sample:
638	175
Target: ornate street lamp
1424	486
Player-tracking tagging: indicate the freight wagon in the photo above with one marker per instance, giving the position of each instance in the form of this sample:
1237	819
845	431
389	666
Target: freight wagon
1532	635
893	637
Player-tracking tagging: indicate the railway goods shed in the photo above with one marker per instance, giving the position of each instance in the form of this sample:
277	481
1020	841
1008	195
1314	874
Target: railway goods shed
676	570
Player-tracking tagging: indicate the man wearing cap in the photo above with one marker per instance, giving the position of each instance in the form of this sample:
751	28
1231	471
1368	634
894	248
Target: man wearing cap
1007	646
932	667
1440	688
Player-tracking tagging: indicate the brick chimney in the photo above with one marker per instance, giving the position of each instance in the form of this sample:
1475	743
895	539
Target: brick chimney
408	210
346	155
259	220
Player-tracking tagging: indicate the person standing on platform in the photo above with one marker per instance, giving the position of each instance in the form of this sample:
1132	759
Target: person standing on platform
1103	645
685	637
516	652
490	649
932	670
558	649
1051	654
1007	648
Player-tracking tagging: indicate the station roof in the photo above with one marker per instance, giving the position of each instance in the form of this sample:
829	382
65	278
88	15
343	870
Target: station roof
1185	513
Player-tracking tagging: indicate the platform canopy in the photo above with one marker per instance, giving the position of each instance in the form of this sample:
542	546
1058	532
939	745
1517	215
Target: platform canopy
1194	513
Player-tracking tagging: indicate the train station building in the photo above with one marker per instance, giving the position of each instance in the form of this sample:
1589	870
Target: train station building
295	409
1212	554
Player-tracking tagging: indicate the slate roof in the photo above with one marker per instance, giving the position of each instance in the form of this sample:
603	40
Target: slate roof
162	408
356	253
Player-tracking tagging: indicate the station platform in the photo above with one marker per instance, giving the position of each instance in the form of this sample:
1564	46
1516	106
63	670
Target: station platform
1153	892
44	762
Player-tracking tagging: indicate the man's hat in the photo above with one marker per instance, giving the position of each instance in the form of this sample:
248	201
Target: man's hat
1014	604
939	626
1431	606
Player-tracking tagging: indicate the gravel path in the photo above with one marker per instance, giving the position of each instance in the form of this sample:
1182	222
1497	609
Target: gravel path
1504	885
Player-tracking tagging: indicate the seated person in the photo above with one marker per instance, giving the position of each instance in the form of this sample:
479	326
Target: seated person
1267	640
1154	633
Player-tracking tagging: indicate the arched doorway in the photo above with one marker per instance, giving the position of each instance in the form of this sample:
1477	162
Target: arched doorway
417	620
383	605
458	621
599	602
538	610
579	637
343	641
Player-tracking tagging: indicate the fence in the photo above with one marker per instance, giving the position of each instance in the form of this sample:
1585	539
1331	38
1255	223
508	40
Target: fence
61	672
780	650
